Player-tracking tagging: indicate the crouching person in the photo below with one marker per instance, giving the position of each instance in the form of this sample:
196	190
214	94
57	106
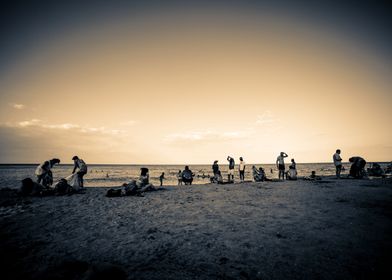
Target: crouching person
357	169
187	176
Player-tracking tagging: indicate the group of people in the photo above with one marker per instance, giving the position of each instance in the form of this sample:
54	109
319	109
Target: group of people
44	184
75	181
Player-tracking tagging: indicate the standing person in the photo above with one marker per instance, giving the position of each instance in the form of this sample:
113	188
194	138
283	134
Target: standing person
161	178
44	173
79	163
280	164
241	169
179	177
231	169
337	160
215	171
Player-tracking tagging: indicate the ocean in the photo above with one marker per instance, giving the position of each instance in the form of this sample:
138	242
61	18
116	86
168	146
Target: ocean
101	175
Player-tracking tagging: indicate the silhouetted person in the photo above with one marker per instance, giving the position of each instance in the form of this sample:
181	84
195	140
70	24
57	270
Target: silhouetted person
376	170
337	160
82	166
187	176
44	173
230	175
357	169
280	164
161	178
215	171
241	169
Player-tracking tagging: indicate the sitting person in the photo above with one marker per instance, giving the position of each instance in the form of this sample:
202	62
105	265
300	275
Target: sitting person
291	174
217	178
313	177
389	168
376	170
357	169
258	174
44	173
187	176
143	183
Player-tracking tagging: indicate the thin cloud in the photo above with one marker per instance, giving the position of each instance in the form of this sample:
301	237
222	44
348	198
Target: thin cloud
18	106
129	123
267	118
39	124
206	136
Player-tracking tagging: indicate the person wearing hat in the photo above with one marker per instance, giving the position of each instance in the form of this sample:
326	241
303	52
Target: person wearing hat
82	166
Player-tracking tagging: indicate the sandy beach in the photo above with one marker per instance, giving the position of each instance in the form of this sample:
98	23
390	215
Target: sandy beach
331	229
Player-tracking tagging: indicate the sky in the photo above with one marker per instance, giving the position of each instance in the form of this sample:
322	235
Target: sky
181	82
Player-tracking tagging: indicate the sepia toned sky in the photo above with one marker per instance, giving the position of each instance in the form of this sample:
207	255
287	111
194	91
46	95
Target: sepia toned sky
186	83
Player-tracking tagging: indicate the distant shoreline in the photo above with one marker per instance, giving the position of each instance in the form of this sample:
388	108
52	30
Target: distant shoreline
180	164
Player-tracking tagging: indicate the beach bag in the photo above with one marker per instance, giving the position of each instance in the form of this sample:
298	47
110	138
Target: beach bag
73	181
62	187
113	193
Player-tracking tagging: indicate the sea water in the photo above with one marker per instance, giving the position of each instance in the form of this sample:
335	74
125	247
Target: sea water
115	175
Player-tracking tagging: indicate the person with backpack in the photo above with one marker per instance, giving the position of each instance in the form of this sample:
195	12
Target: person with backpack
187	176
82	166
44	173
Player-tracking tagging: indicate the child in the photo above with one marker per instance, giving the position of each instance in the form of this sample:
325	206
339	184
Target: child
179	177
161	178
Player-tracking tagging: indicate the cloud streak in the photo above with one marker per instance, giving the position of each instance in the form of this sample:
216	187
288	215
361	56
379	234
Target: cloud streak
17	106
207	136
40	124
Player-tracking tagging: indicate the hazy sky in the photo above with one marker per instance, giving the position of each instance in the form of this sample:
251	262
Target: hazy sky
190	83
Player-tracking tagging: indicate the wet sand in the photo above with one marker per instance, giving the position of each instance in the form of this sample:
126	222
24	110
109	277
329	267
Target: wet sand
332	229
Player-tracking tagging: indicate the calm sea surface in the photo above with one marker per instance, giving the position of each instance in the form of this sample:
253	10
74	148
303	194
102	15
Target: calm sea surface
116	175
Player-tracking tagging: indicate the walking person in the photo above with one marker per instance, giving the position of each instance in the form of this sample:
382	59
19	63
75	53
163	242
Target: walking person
280	164
230	175
337	160
161	178
82	166
241	169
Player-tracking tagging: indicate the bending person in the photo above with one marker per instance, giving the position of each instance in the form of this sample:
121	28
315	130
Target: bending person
44	173
82	166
